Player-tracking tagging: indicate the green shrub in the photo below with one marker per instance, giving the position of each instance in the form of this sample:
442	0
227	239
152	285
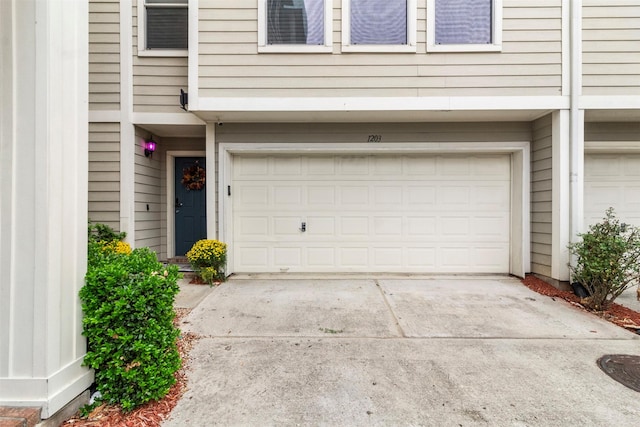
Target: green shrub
128	321
607	260
104	233
210	255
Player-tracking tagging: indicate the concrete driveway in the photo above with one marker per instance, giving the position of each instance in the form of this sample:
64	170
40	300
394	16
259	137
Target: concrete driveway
436	351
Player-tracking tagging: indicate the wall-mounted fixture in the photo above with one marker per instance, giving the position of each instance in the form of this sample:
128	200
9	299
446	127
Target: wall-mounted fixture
184	99
149	147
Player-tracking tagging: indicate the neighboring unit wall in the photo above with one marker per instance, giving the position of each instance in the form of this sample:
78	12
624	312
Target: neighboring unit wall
541	200
104	55
104	173
148	171
229	65
611	47
157	80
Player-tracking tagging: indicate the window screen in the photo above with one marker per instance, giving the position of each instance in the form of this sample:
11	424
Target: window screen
295	22
464	21
378	22
167	24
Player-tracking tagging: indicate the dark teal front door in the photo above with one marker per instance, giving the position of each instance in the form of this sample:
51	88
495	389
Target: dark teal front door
190	202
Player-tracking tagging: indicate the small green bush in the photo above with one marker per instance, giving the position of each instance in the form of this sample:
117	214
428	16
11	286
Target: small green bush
210	255
607	260
128	321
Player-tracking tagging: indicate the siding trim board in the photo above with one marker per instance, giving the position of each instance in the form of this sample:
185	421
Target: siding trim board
510	108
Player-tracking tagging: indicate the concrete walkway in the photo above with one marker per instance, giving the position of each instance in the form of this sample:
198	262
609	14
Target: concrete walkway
449	351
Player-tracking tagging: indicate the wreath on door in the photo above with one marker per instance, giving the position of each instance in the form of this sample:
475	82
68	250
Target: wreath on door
194	177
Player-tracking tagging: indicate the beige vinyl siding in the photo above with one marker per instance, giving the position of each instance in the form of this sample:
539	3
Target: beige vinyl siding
229	65
104	173
104	55
541	197
157	80
148	197
612	131
611	47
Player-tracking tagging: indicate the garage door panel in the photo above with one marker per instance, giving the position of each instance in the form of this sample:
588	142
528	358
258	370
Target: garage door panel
318	226
420	167
354	257
287	257
354	226
421	257
454	197
252	226
321	257
387	226
287	226
428	214
491	228
454	226
258	257
287	166
322	166
388	257
612	180
253	195
287	195
490	197
391	166
388	195
352	165
324	196
422	226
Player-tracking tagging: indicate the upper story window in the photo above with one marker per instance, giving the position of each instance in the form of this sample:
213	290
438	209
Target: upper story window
464	25
163	27
379	25
295	25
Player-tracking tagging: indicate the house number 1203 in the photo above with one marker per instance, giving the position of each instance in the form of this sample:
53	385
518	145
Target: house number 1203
374	138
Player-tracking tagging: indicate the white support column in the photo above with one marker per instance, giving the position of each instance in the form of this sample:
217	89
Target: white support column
577	124
127	130
212	229
43	201
560	206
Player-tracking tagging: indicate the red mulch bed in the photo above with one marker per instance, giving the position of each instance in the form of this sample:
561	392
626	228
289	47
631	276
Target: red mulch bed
150	414
616	313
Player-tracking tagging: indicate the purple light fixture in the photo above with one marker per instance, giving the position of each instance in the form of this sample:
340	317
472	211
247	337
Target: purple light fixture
149	147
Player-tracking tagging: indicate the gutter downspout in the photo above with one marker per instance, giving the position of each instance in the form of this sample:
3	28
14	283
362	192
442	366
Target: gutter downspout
576	127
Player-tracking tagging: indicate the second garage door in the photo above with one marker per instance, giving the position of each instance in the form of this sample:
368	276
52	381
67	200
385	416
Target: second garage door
441	214
612	180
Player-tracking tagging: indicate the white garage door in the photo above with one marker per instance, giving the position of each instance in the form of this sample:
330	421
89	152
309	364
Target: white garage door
371	213
612	180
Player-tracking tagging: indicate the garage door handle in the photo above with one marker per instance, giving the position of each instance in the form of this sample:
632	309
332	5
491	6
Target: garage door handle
303	227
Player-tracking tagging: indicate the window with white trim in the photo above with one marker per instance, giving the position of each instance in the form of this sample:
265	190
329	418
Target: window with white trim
379	25
295	25
464	25
163	27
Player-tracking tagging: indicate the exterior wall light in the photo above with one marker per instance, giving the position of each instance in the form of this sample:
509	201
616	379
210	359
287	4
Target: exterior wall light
149	147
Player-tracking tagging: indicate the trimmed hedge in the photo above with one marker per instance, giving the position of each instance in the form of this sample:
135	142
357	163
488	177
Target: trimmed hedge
128	321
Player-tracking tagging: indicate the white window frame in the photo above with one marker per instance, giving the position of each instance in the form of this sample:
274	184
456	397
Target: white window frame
496	33
142	37
412	16
263	47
